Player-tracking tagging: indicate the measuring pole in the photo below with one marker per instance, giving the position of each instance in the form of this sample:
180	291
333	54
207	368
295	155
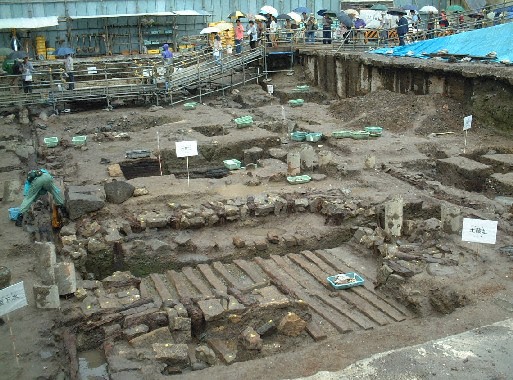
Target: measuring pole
158	152
13	340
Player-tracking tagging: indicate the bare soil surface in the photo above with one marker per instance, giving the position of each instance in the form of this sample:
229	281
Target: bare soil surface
482	277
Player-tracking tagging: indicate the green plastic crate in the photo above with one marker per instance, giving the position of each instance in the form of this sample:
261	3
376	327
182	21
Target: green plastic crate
51	142
360	135
341	134
190	106
79	140
296	180
374	131
313	137
232	164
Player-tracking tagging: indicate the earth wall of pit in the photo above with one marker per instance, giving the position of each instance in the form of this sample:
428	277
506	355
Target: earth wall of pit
485	90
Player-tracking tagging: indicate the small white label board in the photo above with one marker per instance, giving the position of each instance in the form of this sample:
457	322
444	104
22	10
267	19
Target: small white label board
270	88
479	231
92	70
186	148
12	298
467	122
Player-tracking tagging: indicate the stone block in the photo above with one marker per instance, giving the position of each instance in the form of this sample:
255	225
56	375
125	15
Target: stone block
182	336
267	329
160	335
180	324
289	240
205	354
46	296
5	277
238	242
225	349
114	170
171	354
250	339
260	244
81	200
153	220
118	191
212	309
291	325
273	237
252	155
65	278
135	331
154	318
121	280
46	259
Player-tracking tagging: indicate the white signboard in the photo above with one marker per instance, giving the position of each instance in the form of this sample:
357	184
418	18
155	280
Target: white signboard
270	88
186	148
12	298
467	122
92	70
479	231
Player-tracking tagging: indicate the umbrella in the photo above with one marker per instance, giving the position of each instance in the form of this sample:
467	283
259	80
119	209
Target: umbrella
210	29
62	51
236	15
428	8
5	51
345	19
295	16
455	8
410	7
224	26
302	10
17	55
396	11
353	12
379	7
323	12
260	17
269	10
283	16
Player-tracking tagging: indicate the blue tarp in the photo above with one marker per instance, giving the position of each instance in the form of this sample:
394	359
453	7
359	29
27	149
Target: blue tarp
478	43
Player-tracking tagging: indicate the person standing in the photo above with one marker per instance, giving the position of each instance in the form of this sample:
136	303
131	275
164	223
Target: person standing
26	75
253	35
167	55
311	27
402	28
217	49
260	29
273	30
68	69
326	29
430	25
38	183
239	36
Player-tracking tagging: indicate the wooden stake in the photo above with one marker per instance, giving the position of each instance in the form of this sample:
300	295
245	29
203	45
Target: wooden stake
13	340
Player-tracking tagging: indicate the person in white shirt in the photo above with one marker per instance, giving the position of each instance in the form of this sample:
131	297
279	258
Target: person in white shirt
253	34
273	29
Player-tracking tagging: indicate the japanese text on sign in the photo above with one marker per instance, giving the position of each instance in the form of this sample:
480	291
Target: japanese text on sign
467	122
479	231
186	148
12	298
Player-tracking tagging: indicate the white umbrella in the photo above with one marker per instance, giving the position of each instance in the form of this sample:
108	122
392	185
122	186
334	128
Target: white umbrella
260	17
269	9
224	26
210	29
427	9
295	16
352	12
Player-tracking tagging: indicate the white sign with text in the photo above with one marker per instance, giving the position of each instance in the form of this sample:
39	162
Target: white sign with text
12	298
479	231
467	122
186	148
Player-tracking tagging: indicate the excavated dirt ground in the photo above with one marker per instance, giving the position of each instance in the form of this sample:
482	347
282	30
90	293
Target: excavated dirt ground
409	123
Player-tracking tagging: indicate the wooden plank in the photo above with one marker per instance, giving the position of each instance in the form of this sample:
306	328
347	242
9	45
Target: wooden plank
197	282
212	278
180	283
232	281
348	310
332	316
249	269
315	331
367	294
162	289
311	268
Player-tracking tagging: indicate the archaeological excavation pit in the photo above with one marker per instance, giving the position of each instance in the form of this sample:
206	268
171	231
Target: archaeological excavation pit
205	268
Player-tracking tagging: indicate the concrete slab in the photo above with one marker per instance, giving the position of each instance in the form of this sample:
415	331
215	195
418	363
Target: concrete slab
502	184
463	173
499	161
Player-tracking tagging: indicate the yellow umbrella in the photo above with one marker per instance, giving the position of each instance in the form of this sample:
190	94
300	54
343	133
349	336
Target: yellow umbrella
295	16
236	15
353	12
224	26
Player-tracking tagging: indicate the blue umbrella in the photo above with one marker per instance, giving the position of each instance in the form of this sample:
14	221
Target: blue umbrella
322	12
344	18
302	10
62	51
410	7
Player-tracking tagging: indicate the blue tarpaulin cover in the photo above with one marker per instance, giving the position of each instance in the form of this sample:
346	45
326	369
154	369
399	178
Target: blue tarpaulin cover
477	43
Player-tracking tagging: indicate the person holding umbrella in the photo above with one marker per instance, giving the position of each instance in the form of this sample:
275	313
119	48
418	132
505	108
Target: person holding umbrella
402	28
253	35
326	29
311	27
